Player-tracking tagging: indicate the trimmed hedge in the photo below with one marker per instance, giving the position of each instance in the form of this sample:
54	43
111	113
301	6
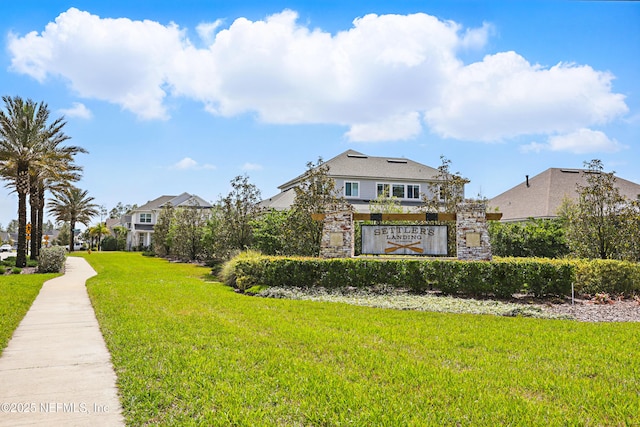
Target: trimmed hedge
501	278
607	276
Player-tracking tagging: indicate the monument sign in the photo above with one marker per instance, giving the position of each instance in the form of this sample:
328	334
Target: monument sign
404	239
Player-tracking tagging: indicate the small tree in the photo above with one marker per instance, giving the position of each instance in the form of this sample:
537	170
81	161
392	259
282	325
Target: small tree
314	194
214	247
63	234
446	191
229	228
630	228
238	209
161	241
595	222
186	232
268	232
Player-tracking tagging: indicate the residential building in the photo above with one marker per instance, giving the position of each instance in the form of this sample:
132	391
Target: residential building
360	179
542	195
140	221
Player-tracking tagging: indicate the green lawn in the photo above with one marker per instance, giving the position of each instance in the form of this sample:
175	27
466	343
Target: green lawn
191	352
17	292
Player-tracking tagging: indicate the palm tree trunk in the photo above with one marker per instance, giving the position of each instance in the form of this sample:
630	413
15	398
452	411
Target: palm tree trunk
40	227
22	187
34	200
72	226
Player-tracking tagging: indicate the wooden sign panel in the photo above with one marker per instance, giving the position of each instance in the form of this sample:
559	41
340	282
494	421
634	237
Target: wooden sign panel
404	239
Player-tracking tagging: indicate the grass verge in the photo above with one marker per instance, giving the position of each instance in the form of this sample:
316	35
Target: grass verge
190	352
17	292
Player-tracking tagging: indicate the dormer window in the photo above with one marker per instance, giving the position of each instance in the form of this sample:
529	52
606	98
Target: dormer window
145	218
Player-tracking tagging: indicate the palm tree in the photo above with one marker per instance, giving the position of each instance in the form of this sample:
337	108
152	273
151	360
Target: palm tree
24	138
54	170
73	205
98	231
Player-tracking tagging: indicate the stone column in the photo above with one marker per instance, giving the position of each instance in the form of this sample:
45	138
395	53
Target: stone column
472	235
338	232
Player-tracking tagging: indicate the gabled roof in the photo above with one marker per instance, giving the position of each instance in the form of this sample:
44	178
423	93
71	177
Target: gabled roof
189	200
280	201
155	203
542	195
353	164
184	199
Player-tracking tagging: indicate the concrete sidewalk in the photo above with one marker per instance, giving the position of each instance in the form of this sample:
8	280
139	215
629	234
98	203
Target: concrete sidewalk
56	370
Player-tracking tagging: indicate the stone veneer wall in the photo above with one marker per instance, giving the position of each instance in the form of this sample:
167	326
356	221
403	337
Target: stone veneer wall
472	239
472	236
338	233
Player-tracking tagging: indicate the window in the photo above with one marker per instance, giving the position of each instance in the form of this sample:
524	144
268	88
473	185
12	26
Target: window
398	191
145	218
351	189
141	237
413	191
384	190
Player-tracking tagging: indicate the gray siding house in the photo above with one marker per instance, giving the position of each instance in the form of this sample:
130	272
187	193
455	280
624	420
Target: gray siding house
140	221
361	179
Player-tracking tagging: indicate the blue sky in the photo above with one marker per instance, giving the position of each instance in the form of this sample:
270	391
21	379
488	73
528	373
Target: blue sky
175	96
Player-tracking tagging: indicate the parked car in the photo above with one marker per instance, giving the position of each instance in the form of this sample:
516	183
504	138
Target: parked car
6	248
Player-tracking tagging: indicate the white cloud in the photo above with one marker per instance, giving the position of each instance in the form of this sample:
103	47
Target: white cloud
251	167
504	96
475	38
377	78
581	141
189	164
78	110
397	127
117	60
207	30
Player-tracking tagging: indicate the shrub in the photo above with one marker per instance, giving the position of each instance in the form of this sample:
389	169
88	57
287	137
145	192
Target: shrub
533	238
51	260
109	243
3	270
607	276
9	261
241	271
500	278
16	270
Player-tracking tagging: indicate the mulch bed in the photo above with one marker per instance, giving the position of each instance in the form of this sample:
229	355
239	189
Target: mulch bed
583	310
